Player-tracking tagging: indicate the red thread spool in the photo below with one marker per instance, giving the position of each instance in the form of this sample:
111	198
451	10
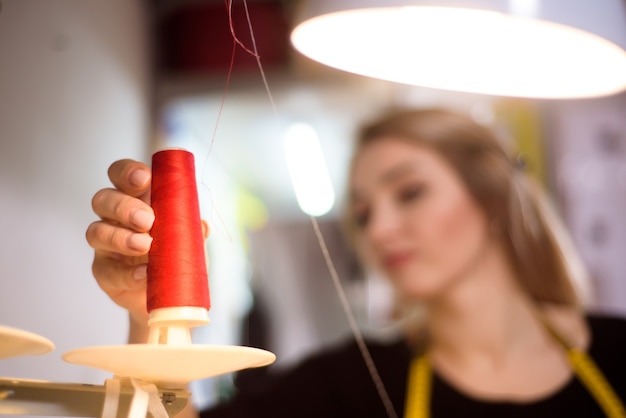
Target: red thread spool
177	272
178	293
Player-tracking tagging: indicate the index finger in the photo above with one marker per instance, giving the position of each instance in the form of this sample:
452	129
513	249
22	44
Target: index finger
131	177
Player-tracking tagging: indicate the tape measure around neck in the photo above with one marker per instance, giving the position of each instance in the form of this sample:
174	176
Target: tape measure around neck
420	381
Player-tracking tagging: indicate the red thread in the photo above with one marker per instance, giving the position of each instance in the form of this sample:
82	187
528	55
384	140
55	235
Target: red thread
177	273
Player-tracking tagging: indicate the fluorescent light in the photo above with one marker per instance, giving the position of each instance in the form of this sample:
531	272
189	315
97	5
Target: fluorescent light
308	171
468	50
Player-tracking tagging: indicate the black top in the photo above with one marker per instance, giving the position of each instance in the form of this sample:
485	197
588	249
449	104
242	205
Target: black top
336	383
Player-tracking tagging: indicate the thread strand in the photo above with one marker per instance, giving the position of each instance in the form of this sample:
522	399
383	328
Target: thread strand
358	335
371	366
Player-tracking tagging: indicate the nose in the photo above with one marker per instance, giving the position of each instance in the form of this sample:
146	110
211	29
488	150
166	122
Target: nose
383	225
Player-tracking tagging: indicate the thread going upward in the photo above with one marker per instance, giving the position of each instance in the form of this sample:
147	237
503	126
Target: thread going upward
177	272
358	335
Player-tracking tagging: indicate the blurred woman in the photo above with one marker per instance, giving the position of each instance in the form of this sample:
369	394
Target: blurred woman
439	208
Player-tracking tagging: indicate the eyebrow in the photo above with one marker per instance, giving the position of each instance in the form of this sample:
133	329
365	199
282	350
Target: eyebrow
399	170
393	174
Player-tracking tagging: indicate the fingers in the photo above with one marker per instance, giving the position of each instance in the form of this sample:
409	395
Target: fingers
123	280
103	236
115	275
127	204
120	238
123	209
131	177
206	229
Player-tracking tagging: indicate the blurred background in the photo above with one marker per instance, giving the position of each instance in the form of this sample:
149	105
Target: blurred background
84	83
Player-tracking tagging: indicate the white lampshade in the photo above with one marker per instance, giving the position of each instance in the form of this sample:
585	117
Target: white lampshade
522	48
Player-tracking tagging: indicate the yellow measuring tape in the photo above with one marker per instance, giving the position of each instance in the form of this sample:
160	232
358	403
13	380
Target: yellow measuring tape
420	381
418	389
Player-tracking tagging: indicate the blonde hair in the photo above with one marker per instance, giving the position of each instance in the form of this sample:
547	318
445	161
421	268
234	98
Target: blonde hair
535	243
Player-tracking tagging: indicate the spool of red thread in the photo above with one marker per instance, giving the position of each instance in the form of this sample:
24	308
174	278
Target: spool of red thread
177	272
178	293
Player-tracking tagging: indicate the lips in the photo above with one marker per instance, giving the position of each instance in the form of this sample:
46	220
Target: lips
397	260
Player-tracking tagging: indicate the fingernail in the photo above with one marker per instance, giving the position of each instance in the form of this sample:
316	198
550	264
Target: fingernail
141	272
140	242
139	177
142	219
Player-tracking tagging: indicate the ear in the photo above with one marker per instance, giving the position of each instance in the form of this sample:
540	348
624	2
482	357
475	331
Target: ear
206	229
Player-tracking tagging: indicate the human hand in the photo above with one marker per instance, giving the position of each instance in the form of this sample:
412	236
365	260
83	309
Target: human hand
121	238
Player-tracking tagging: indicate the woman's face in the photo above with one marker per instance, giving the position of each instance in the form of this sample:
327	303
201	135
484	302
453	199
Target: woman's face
418	223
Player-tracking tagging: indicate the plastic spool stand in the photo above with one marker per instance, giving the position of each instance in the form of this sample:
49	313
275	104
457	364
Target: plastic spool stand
169	359
172	326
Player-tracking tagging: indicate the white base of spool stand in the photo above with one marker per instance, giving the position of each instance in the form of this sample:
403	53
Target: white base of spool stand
169	359
170	366
15	342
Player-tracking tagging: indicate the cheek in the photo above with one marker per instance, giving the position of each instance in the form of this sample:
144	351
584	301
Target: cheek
457	233
451	234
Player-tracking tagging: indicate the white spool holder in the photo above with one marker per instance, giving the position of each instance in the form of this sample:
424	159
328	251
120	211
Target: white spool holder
169	359
172	326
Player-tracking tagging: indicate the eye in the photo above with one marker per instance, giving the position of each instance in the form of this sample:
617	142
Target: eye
410	193
361	217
